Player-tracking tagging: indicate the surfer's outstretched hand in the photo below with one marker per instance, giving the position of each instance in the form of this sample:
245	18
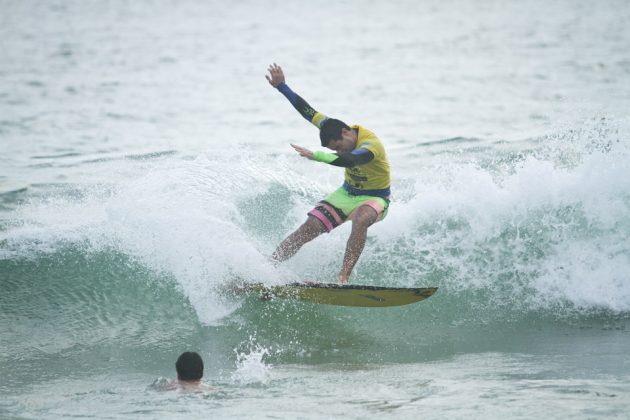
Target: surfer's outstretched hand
342	279
275	76
303	151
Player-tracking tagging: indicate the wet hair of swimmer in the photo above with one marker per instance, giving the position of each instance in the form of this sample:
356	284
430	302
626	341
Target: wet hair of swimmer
189	366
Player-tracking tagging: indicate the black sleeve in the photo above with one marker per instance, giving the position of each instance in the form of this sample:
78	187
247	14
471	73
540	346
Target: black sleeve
298	103
357	157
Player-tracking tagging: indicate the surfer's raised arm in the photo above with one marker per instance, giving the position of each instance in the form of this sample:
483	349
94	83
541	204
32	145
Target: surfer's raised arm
276	79
346	156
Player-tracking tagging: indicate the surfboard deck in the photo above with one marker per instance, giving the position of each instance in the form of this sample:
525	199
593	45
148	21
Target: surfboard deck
340	294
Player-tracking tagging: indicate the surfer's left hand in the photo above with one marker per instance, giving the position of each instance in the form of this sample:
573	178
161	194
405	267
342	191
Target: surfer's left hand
342	278
303	151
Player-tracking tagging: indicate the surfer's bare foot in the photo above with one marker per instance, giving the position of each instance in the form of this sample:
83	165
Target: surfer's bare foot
342	278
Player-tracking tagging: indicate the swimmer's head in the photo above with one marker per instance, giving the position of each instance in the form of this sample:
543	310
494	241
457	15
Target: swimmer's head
189	367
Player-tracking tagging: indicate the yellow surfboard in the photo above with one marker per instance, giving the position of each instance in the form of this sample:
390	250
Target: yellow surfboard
342	294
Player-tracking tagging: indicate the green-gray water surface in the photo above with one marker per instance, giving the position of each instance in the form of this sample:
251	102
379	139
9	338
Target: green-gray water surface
145	164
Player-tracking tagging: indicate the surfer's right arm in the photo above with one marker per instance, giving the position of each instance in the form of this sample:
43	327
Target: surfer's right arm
277	80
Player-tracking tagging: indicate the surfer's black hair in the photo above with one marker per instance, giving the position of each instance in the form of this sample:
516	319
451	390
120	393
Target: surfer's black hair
189	366
331	130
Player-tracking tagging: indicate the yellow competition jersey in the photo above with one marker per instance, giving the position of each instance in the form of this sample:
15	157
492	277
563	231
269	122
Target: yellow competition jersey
375	174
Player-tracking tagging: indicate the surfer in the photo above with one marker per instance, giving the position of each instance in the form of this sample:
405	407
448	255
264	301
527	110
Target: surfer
364	195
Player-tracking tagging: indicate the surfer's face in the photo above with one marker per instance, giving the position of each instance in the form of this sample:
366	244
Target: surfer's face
346	143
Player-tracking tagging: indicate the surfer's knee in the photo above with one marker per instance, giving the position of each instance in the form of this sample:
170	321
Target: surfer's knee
364	216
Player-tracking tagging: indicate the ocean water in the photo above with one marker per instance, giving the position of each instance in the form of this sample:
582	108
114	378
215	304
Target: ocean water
145	164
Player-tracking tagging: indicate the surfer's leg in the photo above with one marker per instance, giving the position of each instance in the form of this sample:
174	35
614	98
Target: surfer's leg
309	230
362	219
